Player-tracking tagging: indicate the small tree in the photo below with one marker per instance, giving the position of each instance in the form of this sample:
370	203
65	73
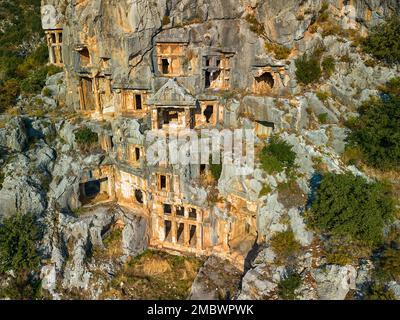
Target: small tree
390	263
86	139
18	236
288	286
349	206
308	68
383	41
17	244
377	132
216	170
277	156
285	245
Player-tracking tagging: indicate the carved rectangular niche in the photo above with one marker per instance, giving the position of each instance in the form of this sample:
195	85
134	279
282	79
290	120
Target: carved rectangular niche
171	58
54	43
133	101
217	71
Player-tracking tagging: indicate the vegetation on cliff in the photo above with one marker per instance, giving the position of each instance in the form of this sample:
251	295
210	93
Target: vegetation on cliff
23	51
18	254
383	42
376	131
277	156
351	207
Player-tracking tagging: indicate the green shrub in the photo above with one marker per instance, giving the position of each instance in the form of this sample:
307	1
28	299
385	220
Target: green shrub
46	92
280	52
377	132
349	206
308	69
322	95
370	63
390	263
383	41
379	292
329	65
323	118
22	287
285	245
277	156
216	170
85	136
18	236
255	25
266	189
2	177
166	20
392	87
9	92
36	80
288	286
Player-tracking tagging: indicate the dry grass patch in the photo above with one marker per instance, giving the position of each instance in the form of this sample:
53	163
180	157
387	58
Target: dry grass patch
155	275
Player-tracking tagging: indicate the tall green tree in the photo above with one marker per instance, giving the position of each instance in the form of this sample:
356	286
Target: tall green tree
351	207
18	236
377	132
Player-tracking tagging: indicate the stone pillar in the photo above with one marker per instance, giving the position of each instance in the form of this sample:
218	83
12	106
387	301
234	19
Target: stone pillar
199	236
154	119
186	234
49	45
96	96
173	230
160	226
225	236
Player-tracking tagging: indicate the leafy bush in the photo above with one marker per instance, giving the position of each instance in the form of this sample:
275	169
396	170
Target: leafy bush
37	79
308	69
349	206
323	118
266	189
17	244
85	136
9	92
166	20
390	263
285	245
392	87
383	41
216	170
280	52
255	25
329	65
288	286
277	156
23	50
379	292
322	95
377	132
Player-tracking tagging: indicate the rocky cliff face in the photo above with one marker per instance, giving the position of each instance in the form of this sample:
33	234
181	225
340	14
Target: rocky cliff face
115	42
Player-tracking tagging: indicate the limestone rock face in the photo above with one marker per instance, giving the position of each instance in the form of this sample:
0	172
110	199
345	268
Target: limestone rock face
334	282
217	279
14	135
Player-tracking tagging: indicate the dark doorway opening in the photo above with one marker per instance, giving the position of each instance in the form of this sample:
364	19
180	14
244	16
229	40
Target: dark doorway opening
192	236
179	234
92	188
208	113
138	100
266	78
192	213
167	209
139	196
180	211
165	66
168	233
